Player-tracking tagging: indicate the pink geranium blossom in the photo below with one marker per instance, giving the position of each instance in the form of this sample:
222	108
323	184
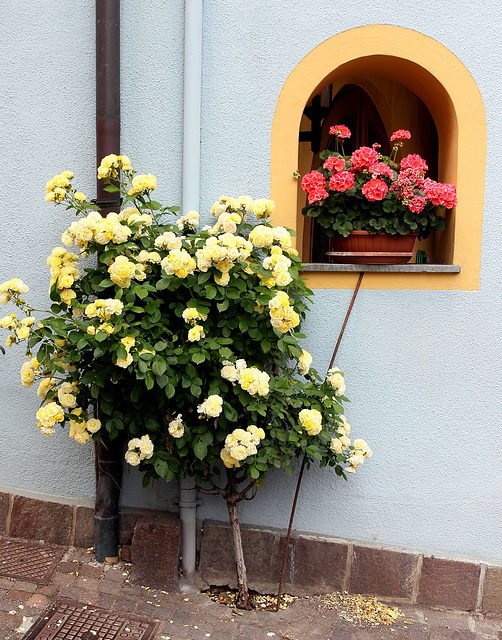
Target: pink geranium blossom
403	188
416	204
314	183
414	161
400	135
334	163
375	189
440	194
362	158
342	181
381	169
414	176
340	131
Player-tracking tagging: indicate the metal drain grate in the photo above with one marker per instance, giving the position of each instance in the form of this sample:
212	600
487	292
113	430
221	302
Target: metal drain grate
28	561
68	620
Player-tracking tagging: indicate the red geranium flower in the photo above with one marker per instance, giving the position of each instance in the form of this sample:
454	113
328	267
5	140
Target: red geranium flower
414	176
362	158
314	183
381	169
416	204
403	188
400	135
342	181
375	189
340	131
440	194
334	163
414	161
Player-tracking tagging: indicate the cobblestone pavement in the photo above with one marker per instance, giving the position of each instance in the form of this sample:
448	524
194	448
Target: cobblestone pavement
193	616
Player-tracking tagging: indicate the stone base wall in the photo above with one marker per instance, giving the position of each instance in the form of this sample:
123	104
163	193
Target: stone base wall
318	564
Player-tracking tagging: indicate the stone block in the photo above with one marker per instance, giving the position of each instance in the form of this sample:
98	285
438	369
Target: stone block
38	601
127	522
217	564
382	572
156	548
313	565
126	553
84	528
40	520
492	595
4	510
91	571
449	583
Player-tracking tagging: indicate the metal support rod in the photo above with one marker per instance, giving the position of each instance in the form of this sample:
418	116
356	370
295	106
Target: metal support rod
108	452
293	508
360	279
288	536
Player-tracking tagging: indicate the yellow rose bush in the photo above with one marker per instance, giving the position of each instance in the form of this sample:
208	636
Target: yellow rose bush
183	341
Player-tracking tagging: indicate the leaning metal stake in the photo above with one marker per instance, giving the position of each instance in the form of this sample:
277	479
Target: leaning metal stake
302	468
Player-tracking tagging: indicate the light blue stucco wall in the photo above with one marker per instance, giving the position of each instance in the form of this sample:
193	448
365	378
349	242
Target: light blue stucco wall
421	366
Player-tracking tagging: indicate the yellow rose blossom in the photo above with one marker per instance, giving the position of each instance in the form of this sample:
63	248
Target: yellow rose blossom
344	427
124	363
93	425
122	271
304	362
261	236
142	183
238	452
132	458
50	414
345	442
211	407
176	427
6	322
227	459
336	446
196	333
336	379
311	419
45	386
128	342
145	447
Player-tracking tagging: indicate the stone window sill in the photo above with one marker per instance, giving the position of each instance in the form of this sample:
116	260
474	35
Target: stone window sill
383	268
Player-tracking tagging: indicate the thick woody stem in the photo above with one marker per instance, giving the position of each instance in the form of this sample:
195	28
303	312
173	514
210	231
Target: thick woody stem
242	581
243	598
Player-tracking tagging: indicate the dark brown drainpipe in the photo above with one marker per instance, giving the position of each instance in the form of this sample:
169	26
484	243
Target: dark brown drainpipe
108	452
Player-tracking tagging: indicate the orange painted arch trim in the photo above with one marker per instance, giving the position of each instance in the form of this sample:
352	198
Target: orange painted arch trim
449	91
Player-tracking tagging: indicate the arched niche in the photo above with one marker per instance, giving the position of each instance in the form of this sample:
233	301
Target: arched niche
444	85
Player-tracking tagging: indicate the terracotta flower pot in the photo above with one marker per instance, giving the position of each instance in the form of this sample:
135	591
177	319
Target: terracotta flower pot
362	247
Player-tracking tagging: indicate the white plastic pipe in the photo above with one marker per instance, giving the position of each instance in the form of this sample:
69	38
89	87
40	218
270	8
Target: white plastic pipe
191	190
192	105
188	515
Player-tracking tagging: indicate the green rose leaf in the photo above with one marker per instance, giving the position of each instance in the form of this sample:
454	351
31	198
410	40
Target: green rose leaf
200	449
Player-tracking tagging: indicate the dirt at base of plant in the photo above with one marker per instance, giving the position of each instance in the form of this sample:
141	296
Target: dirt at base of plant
259	601
363	610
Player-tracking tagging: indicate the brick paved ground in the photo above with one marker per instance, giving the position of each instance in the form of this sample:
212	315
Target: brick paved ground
193	616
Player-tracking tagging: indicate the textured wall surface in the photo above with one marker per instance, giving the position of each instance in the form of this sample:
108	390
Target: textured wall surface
421	366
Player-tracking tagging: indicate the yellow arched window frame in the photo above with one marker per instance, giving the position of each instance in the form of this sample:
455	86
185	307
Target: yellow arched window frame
450	93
